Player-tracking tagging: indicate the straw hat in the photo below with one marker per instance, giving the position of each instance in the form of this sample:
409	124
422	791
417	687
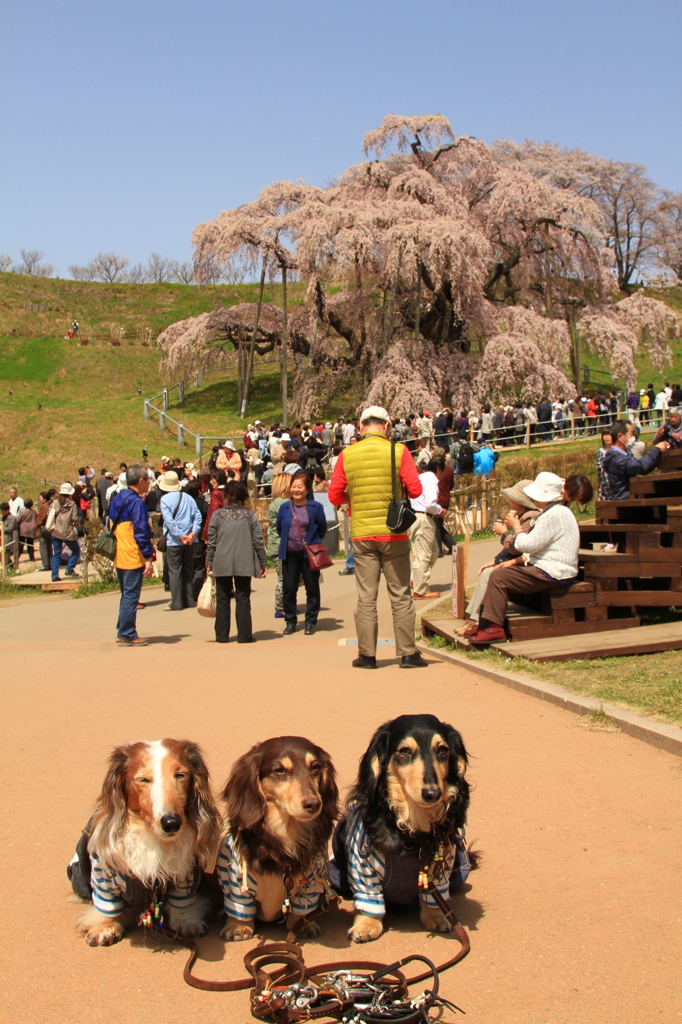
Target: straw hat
169	481
516	493
545	487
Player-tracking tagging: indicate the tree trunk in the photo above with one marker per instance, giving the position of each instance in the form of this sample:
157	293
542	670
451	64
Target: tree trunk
388	319
285	342
548	274
252	347
418	302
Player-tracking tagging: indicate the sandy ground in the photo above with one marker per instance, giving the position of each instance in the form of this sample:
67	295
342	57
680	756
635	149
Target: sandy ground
575	914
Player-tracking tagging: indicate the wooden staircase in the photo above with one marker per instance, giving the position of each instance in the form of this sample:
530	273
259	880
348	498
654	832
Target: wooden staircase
643	570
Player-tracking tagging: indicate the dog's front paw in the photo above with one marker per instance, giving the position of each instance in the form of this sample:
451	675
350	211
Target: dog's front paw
104	935
365	929
235	931
434	920
185	922
303	929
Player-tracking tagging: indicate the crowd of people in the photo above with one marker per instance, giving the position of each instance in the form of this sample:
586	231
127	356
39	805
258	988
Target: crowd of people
205	526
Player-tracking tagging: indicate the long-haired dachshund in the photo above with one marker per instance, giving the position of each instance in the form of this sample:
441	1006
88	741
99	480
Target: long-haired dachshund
154	829
404	820
281	803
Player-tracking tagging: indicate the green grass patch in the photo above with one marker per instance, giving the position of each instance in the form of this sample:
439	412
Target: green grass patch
650	684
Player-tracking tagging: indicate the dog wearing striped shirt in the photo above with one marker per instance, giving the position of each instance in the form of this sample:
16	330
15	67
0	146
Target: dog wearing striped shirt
281	804
154	830
403	828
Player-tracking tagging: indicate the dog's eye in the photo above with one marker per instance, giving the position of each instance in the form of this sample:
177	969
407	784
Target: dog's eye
404	754
443	753
316	766
148	781
181	775
279	769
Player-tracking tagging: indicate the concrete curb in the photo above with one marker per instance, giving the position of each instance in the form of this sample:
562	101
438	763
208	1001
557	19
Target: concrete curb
658	734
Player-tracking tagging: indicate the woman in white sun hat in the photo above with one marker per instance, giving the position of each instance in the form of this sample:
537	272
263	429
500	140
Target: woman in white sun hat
550	553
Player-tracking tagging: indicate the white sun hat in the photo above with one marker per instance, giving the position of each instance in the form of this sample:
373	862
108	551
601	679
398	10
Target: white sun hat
545	487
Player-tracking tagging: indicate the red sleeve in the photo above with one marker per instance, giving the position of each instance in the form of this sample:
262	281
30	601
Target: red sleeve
409	475
338	483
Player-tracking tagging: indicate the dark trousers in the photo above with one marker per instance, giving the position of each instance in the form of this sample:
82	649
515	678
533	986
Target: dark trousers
180	560
225	588
443	535
294	566
29	542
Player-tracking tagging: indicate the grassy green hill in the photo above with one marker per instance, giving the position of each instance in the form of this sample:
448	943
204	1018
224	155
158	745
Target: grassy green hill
63	403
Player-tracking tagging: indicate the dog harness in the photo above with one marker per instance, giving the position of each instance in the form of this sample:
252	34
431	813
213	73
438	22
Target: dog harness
240	886
373	879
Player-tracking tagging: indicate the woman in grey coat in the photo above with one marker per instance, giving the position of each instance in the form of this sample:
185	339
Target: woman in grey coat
236	553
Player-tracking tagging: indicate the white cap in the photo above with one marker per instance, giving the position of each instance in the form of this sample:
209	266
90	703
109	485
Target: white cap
285	437
375	412
230	445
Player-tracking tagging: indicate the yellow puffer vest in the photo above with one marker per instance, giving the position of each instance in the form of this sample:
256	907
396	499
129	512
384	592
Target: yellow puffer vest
367	465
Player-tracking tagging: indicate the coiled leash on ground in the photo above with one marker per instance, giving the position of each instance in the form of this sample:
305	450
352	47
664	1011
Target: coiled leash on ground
350	991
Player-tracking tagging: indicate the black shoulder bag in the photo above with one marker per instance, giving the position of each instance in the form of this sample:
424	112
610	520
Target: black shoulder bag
400	515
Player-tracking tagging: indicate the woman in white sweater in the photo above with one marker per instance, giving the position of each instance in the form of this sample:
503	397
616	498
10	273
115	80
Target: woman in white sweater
550	552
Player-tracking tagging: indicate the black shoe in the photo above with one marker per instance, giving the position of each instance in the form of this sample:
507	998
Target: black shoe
289	628
413	660
72	572
309	629
250	640
365	661
346	572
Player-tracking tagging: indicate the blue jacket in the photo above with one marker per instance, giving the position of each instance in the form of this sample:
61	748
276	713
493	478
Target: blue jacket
317	525
619	466
484	461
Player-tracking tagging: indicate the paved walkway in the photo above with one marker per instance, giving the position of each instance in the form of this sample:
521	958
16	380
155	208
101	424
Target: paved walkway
574	915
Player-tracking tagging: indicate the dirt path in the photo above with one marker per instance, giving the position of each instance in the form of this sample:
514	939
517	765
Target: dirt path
574	916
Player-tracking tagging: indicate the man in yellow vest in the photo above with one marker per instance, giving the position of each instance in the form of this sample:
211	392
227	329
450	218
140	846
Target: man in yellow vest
362	478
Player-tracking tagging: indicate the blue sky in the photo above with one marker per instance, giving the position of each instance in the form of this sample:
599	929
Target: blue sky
126	124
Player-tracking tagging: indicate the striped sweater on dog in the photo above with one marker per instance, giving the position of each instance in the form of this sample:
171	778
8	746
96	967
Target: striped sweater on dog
240	887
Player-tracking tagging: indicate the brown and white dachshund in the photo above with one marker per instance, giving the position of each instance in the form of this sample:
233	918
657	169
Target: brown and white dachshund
155	826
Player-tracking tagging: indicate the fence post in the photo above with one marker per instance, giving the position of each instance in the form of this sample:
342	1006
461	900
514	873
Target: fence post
199	443
527	433
197	379
181	392
162	420
572	425
15	549
146	409
181	434
3	554
165	400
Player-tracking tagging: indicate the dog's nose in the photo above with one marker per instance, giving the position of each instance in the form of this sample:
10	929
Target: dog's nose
171	823
312	804
430	794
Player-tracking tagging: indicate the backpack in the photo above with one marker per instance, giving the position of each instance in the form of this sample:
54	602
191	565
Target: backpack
465	457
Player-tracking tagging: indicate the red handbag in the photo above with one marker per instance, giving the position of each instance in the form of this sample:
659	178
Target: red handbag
317	554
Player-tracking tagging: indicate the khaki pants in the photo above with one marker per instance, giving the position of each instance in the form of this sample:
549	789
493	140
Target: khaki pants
371	556
424	552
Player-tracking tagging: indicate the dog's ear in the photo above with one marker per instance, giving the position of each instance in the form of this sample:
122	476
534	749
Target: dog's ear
329	791
201	808
459	800
243	796
373	764
458	755
109	818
